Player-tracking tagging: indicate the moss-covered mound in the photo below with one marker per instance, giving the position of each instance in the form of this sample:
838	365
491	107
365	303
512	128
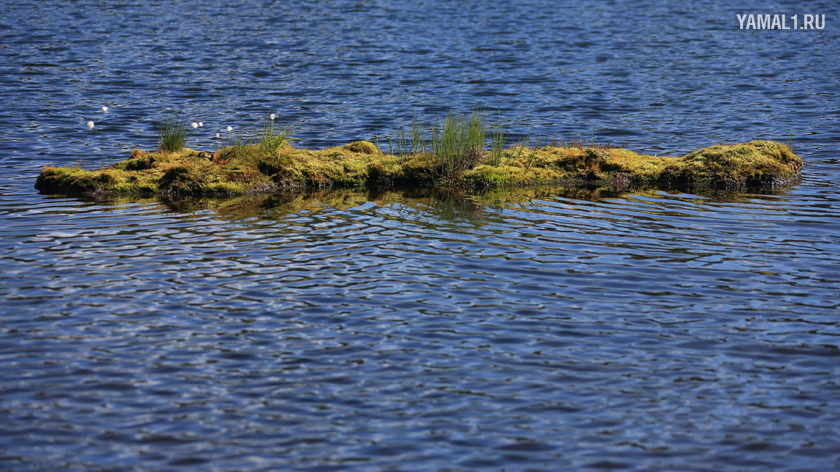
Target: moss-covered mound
249	169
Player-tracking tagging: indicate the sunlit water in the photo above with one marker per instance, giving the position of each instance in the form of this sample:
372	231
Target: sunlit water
535	329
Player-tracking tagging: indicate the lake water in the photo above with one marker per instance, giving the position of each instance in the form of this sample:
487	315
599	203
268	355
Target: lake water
417	330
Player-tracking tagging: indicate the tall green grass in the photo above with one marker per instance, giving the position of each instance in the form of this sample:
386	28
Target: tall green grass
172	133
533	152
417	142
238	144
497	144
402	145
458	142
399	145
271	140
522	145
263	146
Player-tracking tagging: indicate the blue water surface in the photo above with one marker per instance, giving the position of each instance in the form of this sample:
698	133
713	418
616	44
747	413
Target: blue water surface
410	329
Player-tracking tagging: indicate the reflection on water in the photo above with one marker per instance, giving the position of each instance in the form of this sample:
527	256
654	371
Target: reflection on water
534	327
442	204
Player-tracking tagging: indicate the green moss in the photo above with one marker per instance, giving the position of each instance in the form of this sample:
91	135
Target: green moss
250	169
754	164
364	147
489	176
139	161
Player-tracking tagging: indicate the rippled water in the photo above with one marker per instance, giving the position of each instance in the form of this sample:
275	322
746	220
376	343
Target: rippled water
535	329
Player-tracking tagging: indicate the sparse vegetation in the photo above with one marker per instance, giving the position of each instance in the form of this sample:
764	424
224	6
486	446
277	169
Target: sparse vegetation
497	144
789	136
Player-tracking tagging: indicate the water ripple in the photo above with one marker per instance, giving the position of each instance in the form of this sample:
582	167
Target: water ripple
410	331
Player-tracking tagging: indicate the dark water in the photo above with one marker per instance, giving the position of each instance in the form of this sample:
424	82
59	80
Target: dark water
538	329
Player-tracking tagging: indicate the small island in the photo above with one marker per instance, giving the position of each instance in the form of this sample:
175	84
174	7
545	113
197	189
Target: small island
271	164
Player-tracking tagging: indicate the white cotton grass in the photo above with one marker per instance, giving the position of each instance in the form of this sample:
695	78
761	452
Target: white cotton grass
90	125
194	125
272	116
200	124
230	128
104	109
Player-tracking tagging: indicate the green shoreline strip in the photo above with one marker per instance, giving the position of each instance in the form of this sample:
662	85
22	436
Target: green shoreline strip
249	170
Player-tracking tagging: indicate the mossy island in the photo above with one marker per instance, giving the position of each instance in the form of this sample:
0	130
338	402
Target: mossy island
271	164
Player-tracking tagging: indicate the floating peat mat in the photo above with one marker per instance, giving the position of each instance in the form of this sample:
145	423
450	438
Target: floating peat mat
250	169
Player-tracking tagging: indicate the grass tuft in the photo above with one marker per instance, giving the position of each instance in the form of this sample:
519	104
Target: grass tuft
172	134
271	140
458	143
